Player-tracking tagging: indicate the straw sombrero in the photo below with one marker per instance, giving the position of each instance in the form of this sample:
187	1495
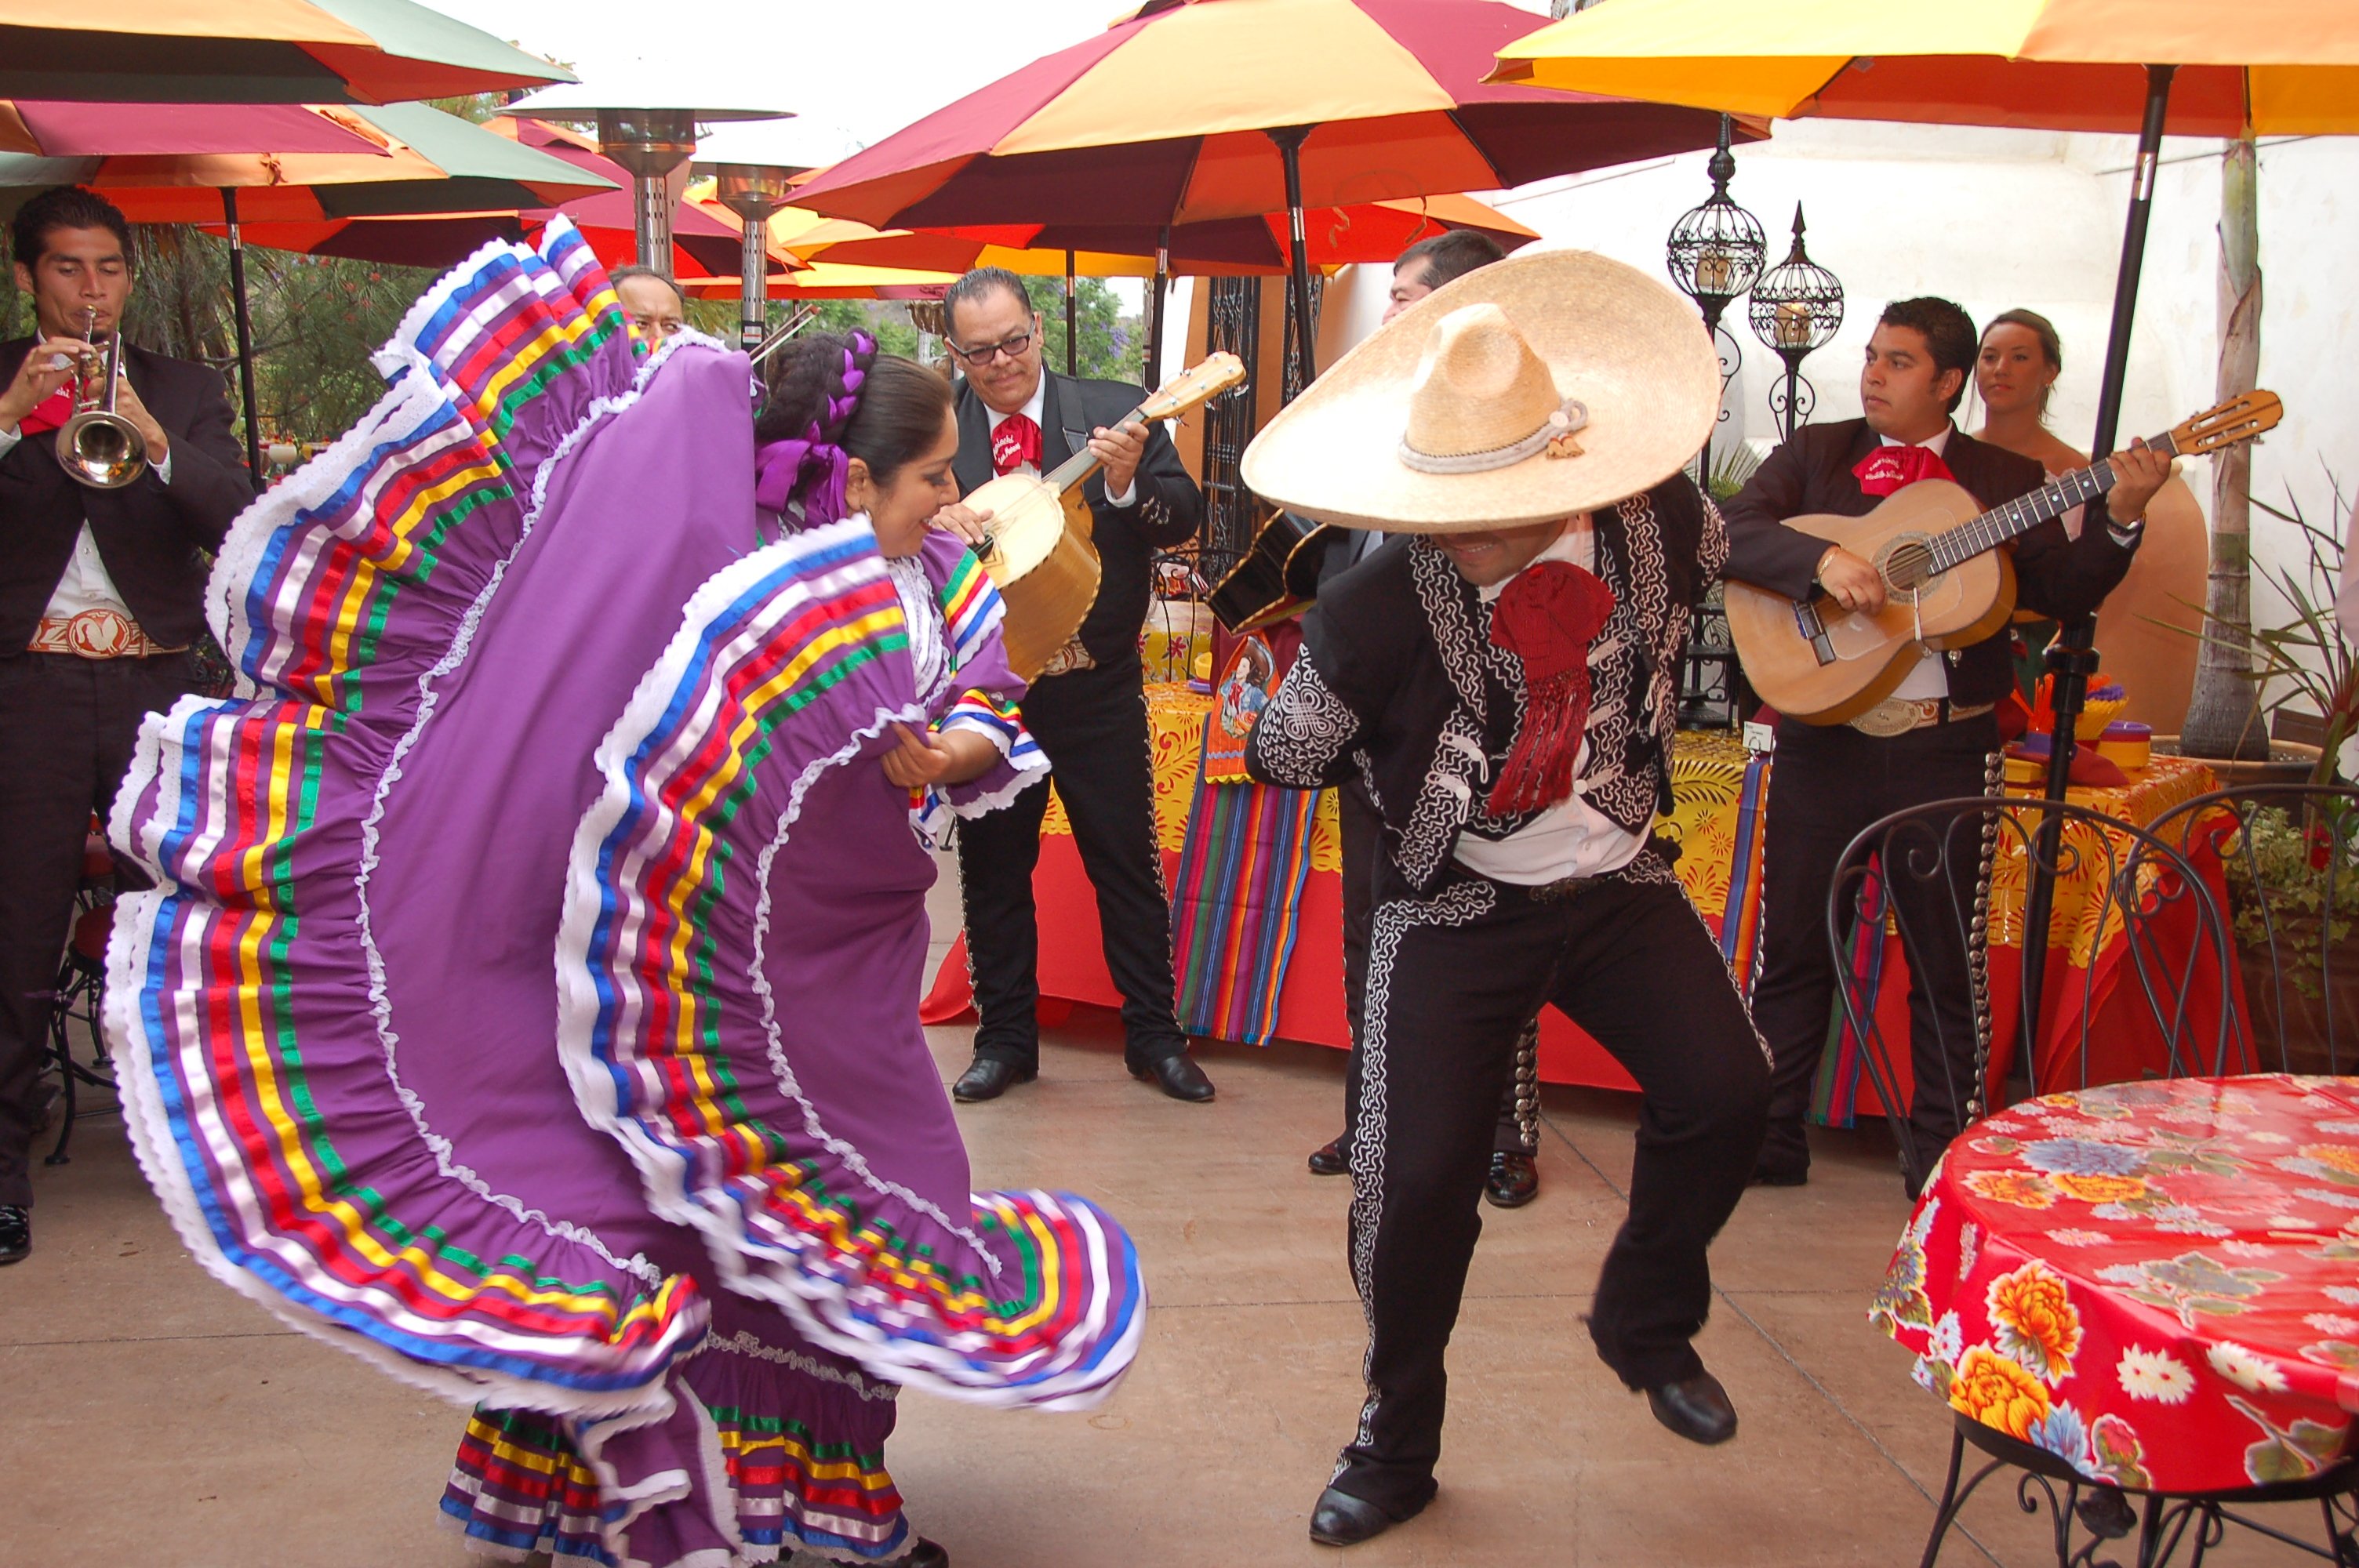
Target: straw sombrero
1528	390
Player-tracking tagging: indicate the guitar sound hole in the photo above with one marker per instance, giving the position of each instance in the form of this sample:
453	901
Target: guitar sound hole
1909	567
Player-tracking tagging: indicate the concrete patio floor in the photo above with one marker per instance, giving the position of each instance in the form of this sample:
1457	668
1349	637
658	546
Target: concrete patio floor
152	1417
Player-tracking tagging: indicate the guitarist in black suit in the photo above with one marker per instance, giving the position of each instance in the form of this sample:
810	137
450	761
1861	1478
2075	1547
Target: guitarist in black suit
1514	1177
1087	709
98	607
1935	737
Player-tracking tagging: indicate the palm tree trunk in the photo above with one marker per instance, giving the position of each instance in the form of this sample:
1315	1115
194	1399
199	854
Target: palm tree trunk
2224	713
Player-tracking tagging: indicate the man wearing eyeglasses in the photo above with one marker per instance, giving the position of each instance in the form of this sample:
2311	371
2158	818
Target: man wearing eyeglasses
1087	709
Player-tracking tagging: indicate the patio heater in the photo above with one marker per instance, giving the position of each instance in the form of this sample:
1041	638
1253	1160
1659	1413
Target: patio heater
755	192
650	133
1796	307
1715	253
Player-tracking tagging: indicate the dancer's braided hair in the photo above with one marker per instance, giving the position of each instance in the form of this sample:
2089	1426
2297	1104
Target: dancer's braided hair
830	397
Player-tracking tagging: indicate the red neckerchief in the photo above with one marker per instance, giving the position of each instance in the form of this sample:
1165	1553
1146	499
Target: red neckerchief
1548	616
1016	442
1888	469
51	412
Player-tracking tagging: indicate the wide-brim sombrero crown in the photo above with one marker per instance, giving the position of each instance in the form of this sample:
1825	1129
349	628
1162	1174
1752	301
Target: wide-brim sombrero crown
1526	391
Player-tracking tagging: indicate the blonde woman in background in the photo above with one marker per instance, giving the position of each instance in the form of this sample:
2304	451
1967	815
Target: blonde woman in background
2015	376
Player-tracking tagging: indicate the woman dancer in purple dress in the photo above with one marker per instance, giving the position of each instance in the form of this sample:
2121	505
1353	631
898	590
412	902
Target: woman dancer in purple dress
549	658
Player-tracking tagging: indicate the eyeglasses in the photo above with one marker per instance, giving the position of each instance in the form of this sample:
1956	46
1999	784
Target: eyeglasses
1012	346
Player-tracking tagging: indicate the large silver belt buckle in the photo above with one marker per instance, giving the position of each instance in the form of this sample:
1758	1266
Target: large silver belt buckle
1893	715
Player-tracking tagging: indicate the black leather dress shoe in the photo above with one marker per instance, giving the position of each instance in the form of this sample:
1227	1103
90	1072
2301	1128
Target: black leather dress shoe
988	1080
925	1554
1339	1519
1768	1174
1332	1158
1175	1075
1514	1181
1696	1408
16	1233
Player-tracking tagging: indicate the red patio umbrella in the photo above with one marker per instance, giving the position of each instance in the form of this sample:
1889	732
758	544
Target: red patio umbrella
1191	110
47	128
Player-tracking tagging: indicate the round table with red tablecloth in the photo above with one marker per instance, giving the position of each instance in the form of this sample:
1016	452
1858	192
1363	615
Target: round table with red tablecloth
2156	1283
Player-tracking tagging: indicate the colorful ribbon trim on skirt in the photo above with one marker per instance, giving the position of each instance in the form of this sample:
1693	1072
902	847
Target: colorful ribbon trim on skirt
270	1126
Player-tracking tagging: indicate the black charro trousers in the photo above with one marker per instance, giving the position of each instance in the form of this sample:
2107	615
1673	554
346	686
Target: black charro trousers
1452	978
1829	783
1092	725
68	726
1361	829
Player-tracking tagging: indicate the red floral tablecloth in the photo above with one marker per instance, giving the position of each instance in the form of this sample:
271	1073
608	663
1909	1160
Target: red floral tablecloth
2157	1282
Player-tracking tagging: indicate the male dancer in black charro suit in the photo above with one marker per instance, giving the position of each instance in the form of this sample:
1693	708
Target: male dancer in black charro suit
98	607
1504	687
1932	739
1514	1177
1087	709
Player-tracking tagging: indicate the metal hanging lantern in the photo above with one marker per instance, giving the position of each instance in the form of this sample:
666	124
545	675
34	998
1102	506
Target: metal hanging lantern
1715	253
1796	307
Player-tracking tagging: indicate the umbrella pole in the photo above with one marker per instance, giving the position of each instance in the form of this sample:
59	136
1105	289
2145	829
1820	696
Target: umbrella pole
1154	366
2073	658
1289	152
1072	321
245	321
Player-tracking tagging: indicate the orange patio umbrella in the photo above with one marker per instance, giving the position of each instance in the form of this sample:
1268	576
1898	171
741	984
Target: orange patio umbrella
253	51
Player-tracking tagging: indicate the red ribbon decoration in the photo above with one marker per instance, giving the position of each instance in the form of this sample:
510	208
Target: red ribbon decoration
1548	616
1016	442
1888	469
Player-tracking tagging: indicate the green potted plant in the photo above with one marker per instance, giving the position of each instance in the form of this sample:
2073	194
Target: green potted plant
2293	883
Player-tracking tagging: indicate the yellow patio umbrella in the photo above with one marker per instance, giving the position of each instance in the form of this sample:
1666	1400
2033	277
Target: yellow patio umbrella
2263	67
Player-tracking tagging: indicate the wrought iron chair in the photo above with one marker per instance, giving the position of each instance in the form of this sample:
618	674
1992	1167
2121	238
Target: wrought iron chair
2180	967
2292	875
1926	875
81	995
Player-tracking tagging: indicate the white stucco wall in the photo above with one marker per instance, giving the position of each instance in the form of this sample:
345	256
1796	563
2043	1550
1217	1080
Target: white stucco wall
1997	218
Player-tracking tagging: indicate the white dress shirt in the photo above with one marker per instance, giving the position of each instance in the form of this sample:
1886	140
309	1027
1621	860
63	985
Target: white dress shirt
1570	838
1033	410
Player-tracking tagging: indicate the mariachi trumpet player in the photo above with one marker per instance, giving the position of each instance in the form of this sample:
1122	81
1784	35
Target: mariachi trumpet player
102	562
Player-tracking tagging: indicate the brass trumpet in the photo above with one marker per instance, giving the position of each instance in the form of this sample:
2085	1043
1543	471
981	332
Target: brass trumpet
97	446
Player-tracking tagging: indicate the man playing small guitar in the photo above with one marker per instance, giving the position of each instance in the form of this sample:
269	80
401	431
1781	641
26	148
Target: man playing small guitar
1930	738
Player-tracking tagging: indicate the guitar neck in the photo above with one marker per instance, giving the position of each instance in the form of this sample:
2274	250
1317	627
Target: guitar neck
1956	546
1084	463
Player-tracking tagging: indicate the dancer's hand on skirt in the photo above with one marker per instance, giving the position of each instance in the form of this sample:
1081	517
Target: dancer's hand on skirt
922	758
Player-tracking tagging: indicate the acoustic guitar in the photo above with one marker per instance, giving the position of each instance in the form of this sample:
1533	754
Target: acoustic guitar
1037	551
1948	582
1277	577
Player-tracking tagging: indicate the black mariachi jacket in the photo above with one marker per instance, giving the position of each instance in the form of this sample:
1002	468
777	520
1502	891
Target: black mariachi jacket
1400	684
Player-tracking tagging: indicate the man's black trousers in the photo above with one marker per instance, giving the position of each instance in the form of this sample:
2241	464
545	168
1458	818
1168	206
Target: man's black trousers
1361	829
68	726
1091	724
1829	782
1452	979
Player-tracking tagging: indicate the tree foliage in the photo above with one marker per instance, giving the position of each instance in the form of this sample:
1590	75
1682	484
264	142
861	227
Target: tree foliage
1112	346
